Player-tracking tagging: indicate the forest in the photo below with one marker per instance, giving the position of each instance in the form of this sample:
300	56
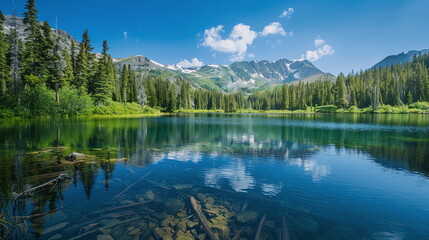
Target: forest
40	78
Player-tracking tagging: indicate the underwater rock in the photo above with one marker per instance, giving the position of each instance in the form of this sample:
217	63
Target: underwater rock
201	236
180	235
182	225
56	237
135	231
150	195
161	233
109	221
174	205
170	221
247	216
201	196
223	231
105	231
104	237
55	227
192	224
308	225
75	156
182	186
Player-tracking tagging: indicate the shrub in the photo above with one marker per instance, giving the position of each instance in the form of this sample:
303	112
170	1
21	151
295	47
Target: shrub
420	105
326	109
74	102
115	108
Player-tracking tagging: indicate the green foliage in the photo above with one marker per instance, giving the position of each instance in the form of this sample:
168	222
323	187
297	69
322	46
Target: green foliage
74	102
420	105
326	109
115	108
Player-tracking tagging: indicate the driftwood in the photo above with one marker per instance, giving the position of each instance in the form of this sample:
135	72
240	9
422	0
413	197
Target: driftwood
285	230
261	223
121	207
105	227
48	185
131	185
157	184
237	235
36	215
201	218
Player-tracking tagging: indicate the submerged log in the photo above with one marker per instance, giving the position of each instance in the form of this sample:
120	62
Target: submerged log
130	186
285	230
48	185
237	235
75	156
261	223
201	218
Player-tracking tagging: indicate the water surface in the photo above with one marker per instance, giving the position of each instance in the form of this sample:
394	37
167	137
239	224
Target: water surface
313	176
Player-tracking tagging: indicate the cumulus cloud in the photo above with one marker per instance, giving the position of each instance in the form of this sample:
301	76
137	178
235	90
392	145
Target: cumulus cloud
189	64
273	28
240	38
322	49
287	13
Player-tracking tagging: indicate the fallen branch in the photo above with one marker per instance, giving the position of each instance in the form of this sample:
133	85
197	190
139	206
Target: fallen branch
285	230
261	223
105	227
237	235
36	215
48	185
201	218
130	186
122	207
157	184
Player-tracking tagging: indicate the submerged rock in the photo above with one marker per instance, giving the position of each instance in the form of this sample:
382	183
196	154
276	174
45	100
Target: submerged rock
223	230
104	237
150	195
247	216
55	227
161	233
75	156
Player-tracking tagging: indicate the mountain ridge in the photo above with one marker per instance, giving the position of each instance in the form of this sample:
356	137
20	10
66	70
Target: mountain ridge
399	58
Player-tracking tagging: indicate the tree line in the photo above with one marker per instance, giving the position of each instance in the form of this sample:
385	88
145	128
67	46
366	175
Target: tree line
39	76
39	68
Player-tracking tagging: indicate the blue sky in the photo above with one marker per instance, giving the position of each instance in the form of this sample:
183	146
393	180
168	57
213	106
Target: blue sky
336	35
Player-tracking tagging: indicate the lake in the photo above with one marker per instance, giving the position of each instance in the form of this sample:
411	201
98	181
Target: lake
294	176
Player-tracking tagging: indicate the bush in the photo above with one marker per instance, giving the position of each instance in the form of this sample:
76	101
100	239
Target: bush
326	109
74	103
115	108
420	105
354	109
37	101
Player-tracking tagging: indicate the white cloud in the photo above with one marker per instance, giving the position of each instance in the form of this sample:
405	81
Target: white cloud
189	64
240	38
287	13
322	49
273	28
125	35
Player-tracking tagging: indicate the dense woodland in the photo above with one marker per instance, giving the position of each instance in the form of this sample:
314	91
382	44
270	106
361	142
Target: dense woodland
38	77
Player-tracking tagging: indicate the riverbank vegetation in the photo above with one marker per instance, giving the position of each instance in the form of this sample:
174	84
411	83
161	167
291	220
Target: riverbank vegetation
41	77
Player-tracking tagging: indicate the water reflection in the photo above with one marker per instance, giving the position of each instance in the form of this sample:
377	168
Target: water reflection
238	153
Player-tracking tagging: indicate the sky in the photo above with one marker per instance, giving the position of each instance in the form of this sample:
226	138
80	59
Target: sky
335	35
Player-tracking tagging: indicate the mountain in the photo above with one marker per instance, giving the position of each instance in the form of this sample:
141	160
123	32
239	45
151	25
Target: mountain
65	38
243	75
400	58
246	76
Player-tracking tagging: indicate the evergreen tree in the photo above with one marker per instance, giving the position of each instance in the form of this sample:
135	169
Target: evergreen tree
15	47
124	78
4	66
341	92
102	85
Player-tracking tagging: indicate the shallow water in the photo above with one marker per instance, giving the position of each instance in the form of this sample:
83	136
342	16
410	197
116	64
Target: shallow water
340	176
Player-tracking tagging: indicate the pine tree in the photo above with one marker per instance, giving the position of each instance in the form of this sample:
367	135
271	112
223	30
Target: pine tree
341	92
57	68
124	83
4	66
68	70
102	85
15	59
32	62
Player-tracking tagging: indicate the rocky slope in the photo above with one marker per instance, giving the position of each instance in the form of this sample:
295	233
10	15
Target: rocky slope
237	76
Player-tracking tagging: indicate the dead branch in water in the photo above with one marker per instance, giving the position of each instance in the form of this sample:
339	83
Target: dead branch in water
261	223
36	215
43	187
157	184
131	185
105	227
285	230
121	207
237	235
201	218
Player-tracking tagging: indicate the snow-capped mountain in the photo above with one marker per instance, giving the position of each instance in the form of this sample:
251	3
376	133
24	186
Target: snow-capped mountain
238	75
